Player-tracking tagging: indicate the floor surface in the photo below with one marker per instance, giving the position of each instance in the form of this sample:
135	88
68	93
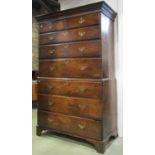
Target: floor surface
54	144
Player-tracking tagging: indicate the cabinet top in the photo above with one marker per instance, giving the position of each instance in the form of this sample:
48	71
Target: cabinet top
97	7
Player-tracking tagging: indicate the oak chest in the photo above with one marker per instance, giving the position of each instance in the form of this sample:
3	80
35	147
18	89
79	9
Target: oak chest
76	84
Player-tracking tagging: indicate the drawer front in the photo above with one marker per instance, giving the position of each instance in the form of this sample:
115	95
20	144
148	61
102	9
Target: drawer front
48	26
71	50
73	106
75	125
71	68
74	22
72	88
86	33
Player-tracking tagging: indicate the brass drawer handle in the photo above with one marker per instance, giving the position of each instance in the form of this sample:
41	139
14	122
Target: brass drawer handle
82	89
66	83
66	62
81	49
51	68
81	34
81	20
50	120
64	33
50	87
66	46
41	26
50	103
50	38
82	106
82	68
50	26
51	51
81	126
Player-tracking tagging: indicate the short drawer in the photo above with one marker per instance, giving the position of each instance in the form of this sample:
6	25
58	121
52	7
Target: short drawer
71	68
73	22
74	125
73	88
83	107
71	50
78	34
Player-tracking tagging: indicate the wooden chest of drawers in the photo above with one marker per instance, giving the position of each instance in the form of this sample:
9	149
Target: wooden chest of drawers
76	84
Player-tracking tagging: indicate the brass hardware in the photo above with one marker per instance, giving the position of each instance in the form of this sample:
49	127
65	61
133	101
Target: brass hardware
50	103
50	87
66	62
50	26
82	106
66	83
51	68
81	49
64	33
81	126
41	26
81	20
50	120
51	38
51	51
82	34
66	46
82	68
82	89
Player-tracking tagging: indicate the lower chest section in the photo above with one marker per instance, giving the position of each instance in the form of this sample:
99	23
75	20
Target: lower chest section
72	106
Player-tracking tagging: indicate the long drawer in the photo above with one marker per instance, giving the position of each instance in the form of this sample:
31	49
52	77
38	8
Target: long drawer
74	22
82	107
86	33
75	125
73	88
71	50
71	68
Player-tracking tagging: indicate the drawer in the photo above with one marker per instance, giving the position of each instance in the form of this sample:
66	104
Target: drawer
71	50
74	125
85	33
74	22
89	108
73	88
71	68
